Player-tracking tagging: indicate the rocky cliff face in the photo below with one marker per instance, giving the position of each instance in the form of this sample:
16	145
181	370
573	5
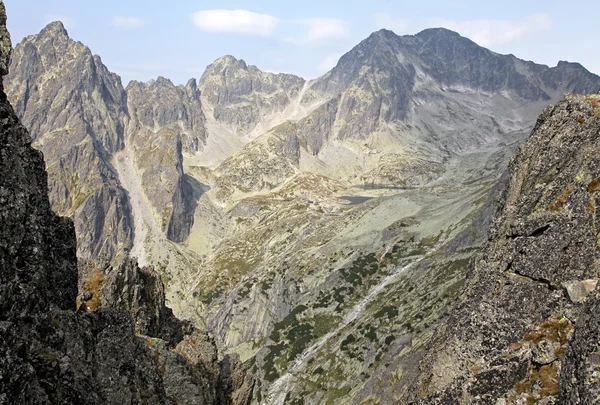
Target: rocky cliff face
49	353
241	96
166	121
82	119
75	110
523	331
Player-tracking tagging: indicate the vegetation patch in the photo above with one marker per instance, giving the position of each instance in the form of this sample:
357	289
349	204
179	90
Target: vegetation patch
390	312
540	383
553	330
334	394
347	341
561	200
94	281
594	186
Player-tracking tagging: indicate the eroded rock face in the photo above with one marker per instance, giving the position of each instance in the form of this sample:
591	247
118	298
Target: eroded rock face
75	110
51	354
166	121
508	337
239	96
141	292
37	247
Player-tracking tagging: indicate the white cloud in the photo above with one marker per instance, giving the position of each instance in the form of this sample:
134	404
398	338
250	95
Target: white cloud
236	22
307	31
387	21
319	31
127	22
325	29
496	32
68	22
329	62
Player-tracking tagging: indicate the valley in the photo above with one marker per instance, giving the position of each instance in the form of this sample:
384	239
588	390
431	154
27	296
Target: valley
319	230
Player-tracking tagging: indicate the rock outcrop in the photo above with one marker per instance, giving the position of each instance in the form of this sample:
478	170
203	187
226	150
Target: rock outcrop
166	121
52	354
524	329
74	109
241	96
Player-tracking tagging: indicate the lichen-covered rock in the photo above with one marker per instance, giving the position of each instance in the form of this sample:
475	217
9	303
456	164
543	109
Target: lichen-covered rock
508	337
580	375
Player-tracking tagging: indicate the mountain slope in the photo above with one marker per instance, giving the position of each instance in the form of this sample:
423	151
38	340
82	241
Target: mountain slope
515	333
75	108
323	224
49	353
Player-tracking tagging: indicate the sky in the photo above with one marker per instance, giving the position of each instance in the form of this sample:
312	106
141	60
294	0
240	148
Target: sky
177	39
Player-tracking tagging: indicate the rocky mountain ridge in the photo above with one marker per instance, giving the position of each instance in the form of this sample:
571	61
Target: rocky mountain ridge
293	204
99	354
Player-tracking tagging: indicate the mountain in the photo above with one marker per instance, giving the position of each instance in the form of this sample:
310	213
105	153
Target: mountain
242	97
74	108
321	230
523	329
122	345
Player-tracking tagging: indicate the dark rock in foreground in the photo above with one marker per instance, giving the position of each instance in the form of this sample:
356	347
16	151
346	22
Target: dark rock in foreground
526	329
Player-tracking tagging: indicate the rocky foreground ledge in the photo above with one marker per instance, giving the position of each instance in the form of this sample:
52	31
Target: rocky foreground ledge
527	328
121	345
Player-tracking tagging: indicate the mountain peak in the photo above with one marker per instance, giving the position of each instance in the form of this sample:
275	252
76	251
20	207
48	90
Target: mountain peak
163	81
192	85
55	29
384	33
443	36
229	60
428	32
566	64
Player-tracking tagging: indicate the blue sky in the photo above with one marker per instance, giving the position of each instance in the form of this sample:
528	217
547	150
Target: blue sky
142	39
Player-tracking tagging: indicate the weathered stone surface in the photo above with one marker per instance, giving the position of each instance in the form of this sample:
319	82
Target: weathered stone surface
579	290
50	354
580	375
74	108
239	96
513	310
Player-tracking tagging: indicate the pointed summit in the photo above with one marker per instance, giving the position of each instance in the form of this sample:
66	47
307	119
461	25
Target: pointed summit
55	29
383	34
227	61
